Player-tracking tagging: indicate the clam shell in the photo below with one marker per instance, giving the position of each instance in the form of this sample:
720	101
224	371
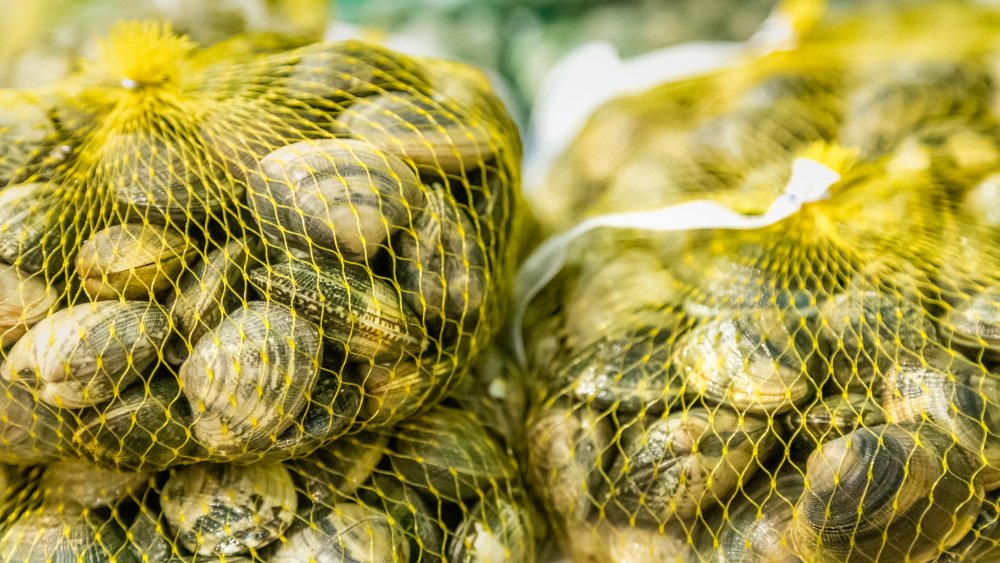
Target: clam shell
61	534
71	481
890	492
347	532
24	300
605	541
338	198
147	427
422	131
228	509
348	69
27	241
440	264
416	522
498	528
147	537
982	543
333	408
448	452
353	308
394	392
568	452
831	417
687	461
337	469
132	261
250	377
973	326
25	132
86	354
206	293
31	431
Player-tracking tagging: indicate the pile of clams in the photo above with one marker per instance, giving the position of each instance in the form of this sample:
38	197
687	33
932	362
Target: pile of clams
823	389
230	279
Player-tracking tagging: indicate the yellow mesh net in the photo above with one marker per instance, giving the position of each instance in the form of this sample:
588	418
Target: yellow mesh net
825	387
241	294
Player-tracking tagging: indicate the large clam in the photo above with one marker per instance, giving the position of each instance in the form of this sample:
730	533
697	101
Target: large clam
24	300
132	261
346	532
890	492
338	198
229	509
354	308
685	462
86	354
28	240
250	377
30	430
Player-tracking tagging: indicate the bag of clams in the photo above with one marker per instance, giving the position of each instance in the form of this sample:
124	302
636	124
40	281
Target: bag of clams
236	283
773	333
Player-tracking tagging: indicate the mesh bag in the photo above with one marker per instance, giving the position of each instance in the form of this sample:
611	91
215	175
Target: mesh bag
816	379
238	282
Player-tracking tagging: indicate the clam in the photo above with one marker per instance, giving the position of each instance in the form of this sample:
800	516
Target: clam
890	492
337	469
568	450
147	427
753	360
889	106
684	463
332	409
338	198
206	293
605	541
955	395
86	354
982	543
28	238
973	326
24	300
71	481
347	532
440	263
61	534
228	509
354	308
25	132
831	417
630	373
865	331
415	520
132	261
755	525
31	431
147	537
347	70
423	131
250	377
166	179
495	391
395	391
497	529
447	452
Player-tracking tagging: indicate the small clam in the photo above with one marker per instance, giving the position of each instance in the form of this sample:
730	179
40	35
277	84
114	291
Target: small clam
889	106
890	493
147	537
440	264
631	373
86	354
166	179
62	533
982	543
28	241
415	519
974	326
31	431
353	307
25	131
250	377
24	300
567	452
228	509
755	525
147	427
332	409
132	261
865	331
752	361
347	532
206	293
497	529
605	541
349	69
337	469
685	462
448	452
338	198
395	391
71	481
831	417
957	396
422	131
